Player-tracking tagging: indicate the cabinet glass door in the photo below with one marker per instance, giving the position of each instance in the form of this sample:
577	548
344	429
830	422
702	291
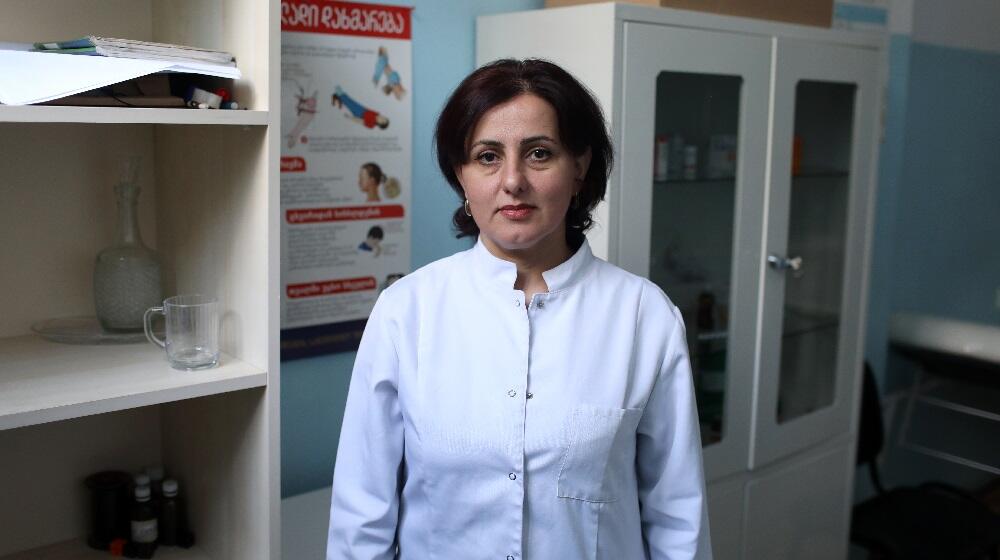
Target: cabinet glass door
691	233
815	256
817	240
691	201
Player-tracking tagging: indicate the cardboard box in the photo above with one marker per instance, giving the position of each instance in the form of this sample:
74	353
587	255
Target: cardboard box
805	12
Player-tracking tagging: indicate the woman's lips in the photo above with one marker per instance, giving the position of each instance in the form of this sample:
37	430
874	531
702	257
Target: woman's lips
519	212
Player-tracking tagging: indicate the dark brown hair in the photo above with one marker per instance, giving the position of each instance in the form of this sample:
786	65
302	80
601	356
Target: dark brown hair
581	126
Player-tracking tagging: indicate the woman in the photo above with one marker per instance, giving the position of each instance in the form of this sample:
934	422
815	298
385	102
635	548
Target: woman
370	176
522	399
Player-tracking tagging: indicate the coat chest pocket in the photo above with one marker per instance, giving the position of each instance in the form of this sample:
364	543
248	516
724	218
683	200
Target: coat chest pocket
601	446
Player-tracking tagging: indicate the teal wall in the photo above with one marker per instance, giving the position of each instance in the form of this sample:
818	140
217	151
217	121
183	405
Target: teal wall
937	232
947	235
313	391
891	154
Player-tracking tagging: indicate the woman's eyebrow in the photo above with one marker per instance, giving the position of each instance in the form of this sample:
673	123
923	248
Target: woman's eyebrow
540	137
487	143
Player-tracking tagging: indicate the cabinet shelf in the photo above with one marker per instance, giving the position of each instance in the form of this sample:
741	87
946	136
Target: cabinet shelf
723	181
713	335
42	381
820	174
77	549
130	115
791	333
730	181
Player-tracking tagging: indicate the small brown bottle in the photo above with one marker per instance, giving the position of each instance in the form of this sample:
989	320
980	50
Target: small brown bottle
172	521
144	524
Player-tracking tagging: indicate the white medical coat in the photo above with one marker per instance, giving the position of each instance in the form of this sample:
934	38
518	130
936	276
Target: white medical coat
482	426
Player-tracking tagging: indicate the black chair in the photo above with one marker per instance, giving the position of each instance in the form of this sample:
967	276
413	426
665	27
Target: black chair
933	521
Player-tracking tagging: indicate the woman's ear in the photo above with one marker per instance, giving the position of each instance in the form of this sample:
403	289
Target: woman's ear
583	164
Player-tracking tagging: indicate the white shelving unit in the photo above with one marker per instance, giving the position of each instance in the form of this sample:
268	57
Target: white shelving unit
209	206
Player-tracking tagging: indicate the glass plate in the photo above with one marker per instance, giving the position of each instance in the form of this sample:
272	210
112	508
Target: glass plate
84	330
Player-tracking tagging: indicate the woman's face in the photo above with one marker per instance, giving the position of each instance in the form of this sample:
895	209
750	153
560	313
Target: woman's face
519	178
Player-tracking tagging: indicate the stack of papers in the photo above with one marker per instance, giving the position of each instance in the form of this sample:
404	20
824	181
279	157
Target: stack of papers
128	48
28	77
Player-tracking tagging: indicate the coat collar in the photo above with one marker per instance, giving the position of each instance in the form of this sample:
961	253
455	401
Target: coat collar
503	273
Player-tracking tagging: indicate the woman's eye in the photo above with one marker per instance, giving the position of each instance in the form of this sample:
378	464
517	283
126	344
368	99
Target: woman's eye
487	157
539	154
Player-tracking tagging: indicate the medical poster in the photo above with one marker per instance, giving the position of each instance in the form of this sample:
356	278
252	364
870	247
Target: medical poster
346	118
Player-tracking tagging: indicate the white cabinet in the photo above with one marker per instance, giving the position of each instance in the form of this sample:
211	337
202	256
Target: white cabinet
209	205
757	228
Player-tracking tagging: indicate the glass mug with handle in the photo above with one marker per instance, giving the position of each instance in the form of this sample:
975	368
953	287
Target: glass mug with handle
192	331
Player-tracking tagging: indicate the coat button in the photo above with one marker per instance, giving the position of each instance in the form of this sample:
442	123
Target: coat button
517	303
512	393
512	476
540	304
529	395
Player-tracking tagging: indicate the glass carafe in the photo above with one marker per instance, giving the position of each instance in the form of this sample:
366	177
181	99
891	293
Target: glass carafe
126	274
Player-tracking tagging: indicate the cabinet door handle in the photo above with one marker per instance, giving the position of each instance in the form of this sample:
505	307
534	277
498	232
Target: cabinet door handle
784	263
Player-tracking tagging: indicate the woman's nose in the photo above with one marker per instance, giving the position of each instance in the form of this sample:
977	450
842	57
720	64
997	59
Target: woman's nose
512	177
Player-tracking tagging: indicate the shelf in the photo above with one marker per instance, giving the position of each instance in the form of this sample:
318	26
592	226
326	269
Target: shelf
43	381
77	549
713	335
699	181
821	175
803	330
732	180
127	115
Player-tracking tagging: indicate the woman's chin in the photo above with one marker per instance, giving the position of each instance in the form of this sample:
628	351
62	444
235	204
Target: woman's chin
521	239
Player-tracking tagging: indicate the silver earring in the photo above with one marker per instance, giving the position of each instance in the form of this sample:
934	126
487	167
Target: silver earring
575	202
468	211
